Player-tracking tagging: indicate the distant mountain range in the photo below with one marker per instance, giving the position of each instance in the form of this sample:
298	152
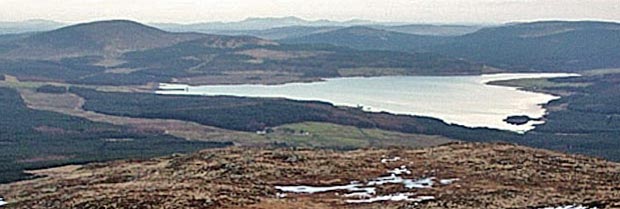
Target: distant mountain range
257	24
29	26
291	32
147	53
120	52
368	38
290	27
430	29
268	28
278	33
249	24
537	46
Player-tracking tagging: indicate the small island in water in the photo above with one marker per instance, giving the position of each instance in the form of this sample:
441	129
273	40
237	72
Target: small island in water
520	119
464	100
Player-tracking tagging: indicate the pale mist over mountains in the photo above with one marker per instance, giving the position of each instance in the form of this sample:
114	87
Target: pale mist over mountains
29	26
268	27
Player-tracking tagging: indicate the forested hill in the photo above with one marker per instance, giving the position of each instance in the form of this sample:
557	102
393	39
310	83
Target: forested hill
120	52
94	39
536	46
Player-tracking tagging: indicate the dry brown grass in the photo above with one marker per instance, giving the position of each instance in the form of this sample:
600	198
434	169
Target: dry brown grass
491	176
71	104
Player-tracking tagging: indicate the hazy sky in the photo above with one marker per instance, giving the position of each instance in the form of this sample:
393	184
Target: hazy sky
430	11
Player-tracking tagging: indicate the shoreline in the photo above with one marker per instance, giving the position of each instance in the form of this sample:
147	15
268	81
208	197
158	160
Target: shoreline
535	108
489	81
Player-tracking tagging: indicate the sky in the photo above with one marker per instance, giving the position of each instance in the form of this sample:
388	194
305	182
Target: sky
415	11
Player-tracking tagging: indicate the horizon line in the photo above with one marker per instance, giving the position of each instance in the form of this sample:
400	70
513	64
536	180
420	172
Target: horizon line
370	21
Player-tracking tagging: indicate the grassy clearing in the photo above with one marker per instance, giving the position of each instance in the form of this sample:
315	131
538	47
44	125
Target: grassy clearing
13	82
71	104
339	136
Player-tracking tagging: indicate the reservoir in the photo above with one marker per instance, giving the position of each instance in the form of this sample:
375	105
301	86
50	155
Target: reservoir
463	100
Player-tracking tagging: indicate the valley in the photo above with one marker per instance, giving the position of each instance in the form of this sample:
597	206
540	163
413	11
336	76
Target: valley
191	133
459	100
198	120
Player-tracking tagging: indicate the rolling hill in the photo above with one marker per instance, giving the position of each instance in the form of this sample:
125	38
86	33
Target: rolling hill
541	46
463	176
279	27
367	38
280	32
430	29
289	31
583	121
124	52
535	47
106	38
91	51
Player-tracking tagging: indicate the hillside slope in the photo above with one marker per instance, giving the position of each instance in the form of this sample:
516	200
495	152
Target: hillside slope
278	33
95	39
541	46
123	52
433	30
361	37
451	176
536	46
297	31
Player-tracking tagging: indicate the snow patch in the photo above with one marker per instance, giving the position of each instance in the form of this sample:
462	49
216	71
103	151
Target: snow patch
571	207
365	192
399	171
448	181
408	183
386	160
360	192
2	202
313	189
393	197
359	195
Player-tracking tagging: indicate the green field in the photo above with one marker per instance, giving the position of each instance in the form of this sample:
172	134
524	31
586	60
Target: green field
538	83
328	135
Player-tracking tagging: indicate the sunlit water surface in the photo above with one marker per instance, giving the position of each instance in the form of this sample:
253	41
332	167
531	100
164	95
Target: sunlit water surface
463	100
